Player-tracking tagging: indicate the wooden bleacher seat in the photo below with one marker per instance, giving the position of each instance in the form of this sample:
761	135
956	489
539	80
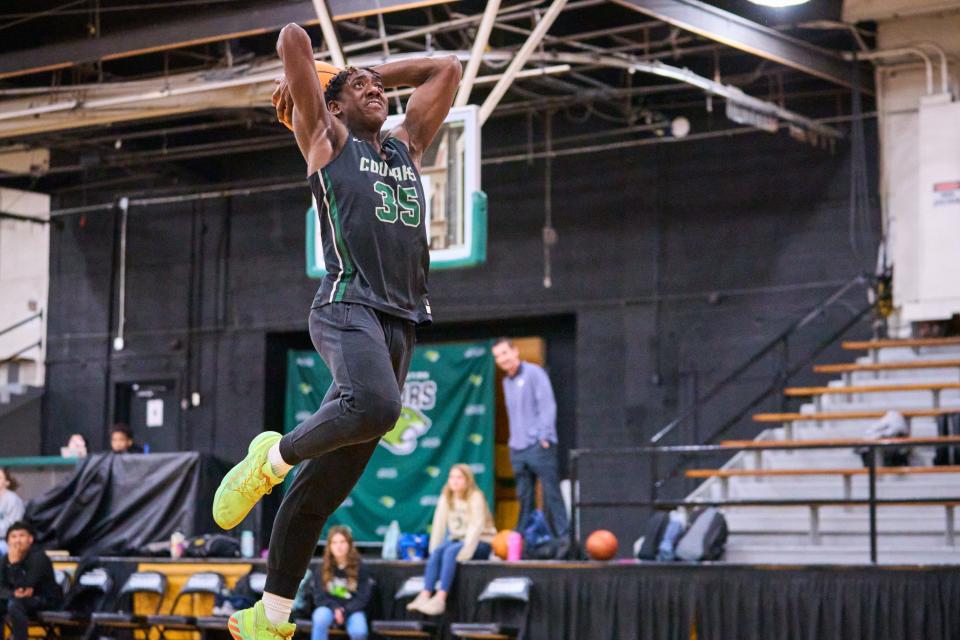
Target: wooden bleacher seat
817	393
909	414
819	442
849	471
795	392
910	343
851	367
847	474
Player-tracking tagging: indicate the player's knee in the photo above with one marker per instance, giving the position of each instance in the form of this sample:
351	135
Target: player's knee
381	413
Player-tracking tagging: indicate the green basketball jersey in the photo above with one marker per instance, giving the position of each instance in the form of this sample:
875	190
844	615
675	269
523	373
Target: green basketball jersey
373	228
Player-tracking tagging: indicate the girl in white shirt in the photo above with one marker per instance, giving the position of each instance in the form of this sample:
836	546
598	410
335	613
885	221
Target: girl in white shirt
462	530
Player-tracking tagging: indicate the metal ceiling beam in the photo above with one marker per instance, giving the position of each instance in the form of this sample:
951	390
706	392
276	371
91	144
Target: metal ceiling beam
330	37
476	53
740	33
172	34
520	59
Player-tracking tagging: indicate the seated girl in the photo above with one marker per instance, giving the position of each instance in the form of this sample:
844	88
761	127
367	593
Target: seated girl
462	530
341	589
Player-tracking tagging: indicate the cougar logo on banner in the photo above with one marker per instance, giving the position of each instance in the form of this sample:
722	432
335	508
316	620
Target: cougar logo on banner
402	439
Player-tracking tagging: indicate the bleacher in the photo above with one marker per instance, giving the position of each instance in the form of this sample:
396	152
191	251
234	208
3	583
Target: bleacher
920	379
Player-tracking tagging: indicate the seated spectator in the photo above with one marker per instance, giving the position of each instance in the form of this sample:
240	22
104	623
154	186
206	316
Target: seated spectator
76	447
121	440
11	506
341	590
462	530
27	581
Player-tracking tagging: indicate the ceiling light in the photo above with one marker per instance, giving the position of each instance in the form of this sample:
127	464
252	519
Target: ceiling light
779	3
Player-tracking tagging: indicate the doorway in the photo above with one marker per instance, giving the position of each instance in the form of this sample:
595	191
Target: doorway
152	410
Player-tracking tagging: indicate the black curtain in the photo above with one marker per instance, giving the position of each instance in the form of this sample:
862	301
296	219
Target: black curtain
594	601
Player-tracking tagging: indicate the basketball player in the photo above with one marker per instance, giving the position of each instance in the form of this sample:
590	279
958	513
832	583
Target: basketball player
363	318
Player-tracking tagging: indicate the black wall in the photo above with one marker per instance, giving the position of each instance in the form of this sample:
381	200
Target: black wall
646	235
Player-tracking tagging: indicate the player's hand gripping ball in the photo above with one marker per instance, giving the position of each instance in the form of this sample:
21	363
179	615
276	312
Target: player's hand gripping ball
282	101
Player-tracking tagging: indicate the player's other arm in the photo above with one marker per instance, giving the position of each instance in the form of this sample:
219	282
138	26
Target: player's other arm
436	80
319	135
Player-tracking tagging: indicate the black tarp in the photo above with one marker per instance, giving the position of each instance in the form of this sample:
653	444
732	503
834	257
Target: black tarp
115	504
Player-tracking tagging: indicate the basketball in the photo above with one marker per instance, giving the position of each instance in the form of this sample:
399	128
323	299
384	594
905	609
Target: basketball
325	73
500	543
602	545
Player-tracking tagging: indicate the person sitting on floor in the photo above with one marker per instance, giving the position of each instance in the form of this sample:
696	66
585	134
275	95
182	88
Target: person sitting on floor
462	530
341	589
27	581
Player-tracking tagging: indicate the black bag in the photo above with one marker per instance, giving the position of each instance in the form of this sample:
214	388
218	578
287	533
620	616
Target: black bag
212	545
948	425
551	549
706	538
652	535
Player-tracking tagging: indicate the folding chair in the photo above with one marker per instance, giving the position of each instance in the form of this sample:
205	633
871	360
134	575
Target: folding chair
509	602
207	624
305	625
203	582
406	628
140	583
64	578
87	595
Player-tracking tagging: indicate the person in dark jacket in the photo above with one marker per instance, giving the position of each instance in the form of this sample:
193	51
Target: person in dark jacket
341	589
27	582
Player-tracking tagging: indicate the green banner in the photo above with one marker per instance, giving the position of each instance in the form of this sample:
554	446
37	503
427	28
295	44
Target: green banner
448	417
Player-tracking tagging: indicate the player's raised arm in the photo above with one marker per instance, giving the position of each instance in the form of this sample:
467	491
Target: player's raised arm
300	98
436	80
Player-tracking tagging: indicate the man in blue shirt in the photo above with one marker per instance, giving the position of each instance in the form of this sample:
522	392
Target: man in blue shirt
532	411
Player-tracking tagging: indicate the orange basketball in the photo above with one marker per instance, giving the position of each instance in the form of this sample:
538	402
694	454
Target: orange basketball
325	72
602	545
500	543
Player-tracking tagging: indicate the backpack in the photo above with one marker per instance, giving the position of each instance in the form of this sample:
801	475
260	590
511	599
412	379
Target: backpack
412	546
652	536
667	550
535	530
705	539
212	545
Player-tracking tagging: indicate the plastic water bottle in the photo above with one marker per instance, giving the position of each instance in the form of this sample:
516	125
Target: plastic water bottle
246	544
390	541
177	540
514	546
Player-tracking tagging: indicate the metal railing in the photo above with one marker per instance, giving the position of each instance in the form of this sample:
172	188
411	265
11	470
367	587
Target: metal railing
16	325
779	344
653	502
20	323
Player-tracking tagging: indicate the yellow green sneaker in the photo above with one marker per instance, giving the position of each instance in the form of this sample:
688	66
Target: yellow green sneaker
248	481
252	624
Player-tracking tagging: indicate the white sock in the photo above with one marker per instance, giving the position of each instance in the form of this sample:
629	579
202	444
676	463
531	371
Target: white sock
277	463
277	609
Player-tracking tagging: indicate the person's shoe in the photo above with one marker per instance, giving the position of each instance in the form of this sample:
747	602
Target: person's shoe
419	601
435	606
248	481
252	624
